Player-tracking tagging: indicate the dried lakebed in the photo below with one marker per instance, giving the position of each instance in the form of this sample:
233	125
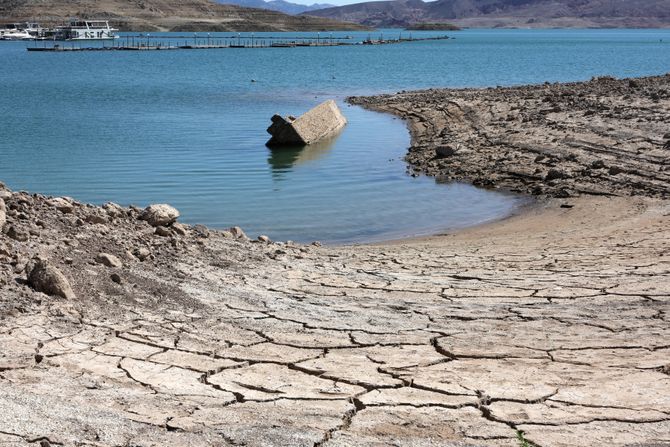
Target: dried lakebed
551	325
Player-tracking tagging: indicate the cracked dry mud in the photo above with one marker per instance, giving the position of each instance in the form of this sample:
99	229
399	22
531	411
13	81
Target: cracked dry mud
553	323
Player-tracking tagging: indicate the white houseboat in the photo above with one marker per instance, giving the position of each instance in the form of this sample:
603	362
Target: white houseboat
86	30
21	31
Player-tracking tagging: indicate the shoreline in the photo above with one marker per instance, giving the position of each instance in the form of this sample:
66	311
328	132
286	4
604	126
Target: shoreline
559	134
120	326
531	206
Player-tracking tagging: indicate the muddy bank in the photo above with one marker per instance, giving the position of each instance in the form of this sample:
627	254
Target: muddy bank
119	326
603	137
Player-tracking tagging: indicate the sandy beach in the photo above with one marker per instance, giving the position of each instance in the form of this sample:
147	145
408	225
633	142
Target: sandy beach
549	328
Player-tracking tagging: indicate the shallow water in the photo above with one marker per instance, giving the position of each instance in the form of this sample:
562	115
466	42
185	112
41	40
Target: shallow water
188	127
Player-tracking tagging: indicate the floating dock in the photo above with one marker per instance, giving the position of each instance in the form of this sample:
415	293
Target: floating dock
132	43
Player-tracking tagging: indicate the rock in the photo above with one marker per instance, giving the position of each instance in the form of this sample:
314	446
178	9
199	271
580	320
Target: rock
62	204
5	193
3	213
45	278
94	218
201	231
666	136
116	278
114	210
597	164
160	215
318	123
237	233
4	251
179	229
264	238
108	260
614	170
163	231
17	235
445	151
141	253
555	174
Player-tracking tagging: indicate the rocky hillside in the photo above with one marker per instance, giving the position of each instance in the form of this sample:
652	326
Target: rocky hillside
278	5
165	15
507	13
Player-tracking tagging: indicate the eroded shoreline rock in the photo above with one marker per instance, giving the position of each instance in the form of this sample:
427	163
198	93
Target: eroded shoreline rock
318	123
549	140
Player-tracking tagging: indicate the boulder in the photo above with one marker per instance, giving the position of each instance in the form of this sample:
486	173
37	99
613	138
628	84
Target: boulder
108	260
62	204
159	215
318	123
3	213
45	278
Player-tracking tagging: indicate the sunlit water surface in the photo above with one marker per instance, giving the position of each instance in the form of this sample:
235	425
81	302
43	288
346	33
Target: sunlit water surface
188	127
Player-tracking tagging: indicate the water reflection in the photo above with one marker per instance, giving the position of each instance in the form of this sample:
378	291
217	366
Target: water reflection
283	159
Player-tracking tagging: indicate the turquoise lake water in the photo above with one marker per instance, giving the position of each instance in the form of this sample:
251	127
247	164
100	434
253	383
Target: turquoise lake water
188	127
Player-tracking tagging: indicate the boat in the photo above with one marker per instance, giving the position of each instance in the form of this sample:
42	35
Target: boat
16	35
86	30
19	31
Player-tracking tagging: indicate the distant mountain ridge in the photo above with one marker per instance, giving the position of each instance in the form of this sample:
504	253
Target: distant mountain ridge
278	5
165	15
507	13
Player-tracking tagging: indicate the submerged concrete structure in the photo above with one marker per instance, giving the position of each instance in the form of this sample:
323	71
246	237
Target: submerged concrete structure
318	123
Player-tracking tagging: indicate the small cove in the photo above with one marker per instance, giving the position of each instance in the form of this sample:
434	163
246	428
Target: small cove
188	128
